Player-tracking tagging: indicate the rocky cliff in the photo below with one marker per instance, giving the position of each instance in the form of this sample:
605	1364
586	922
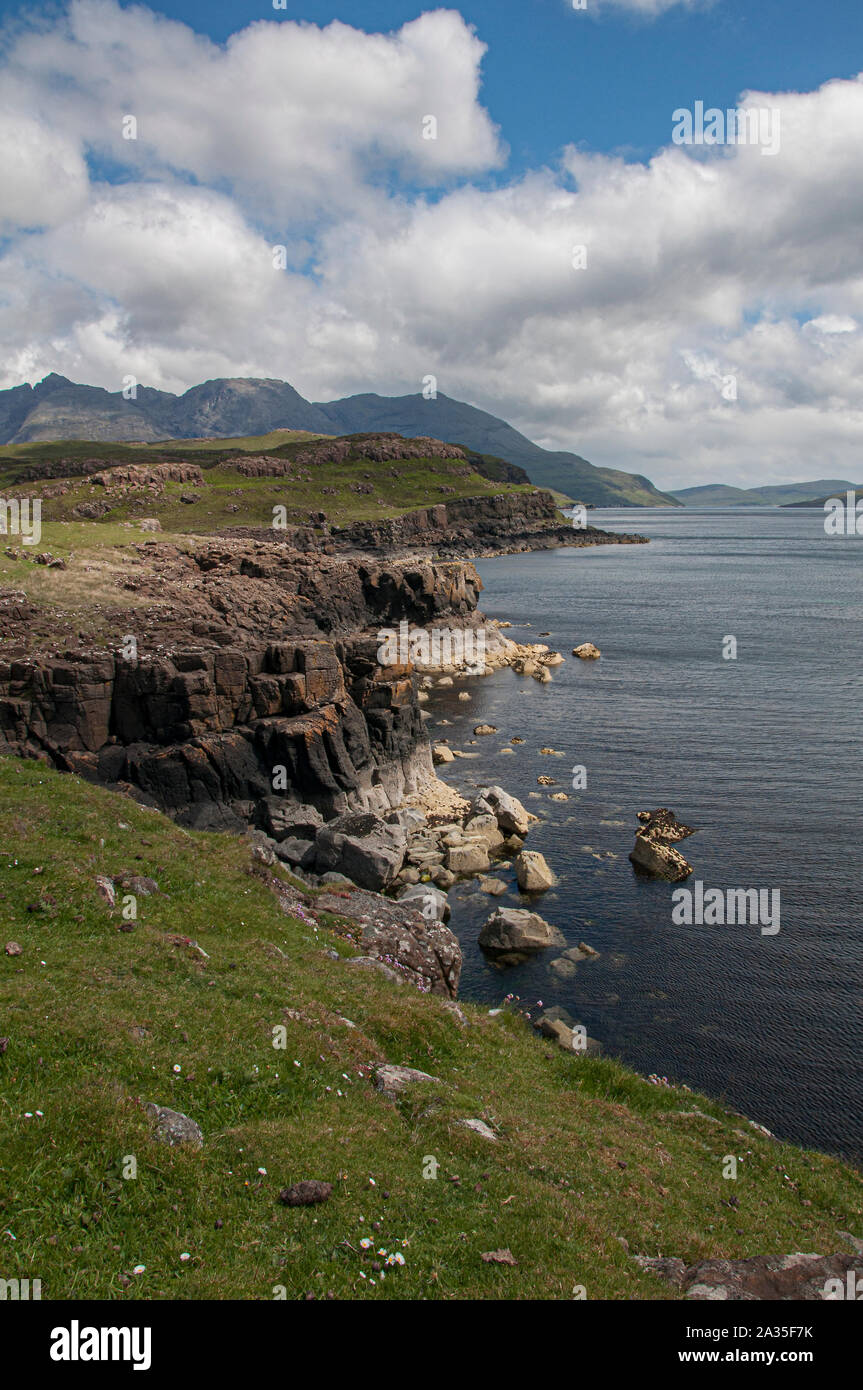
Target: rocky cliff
466	527
248	677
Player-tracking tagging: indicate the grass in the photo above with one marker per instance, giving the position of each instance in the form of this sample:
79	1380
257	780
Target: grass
98	1019
228	499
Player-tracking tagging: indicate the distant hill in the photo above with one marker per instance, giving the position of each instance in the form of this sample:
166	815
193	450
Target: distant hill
775	495
838	491
60	409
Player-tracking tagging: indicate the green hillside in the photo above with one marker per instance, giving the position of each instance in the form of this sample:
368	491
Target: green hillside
181	1010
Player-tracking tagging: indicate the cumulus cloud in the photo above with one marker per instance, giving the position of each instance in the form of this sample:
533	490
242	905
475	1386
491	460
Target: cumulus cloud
691	318
291	118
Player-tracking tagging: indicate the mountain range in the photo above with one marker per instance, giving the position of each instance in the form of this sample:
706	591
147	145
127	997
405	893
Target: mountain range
60	409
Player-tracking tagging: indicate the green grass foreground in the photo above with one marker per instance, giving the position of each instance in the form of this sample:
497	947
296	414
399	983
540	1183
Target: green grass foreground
98	1019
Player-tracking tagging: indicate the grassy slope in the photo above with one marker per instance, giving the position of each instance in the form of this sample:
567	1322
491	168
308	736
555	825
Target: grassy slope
95	1018
397	487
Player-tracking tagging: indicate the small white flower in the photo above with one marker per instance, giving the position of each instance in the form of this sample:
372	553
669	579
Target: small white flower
185	1256
139	1269
177	1067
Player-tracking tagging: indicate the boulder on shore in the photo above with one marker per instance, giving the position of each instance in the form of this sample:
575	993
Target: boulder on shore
514	929
363	847
532	872
512	818
469	857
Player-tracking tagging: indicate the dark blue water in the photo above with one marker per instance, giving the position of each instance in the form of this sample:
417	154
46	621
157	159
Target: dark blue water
762	753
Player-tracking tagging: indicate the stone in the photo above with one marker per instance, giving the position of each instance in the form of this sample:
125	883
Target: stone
288	820
442	754
308	1193
512	818
798	1278
483	729
397	939
443	879
299	853
105	889
469	858
479	1127
532	872
495	886
486	827
567	1038
513	929
172	1127
138	884
13	949
393	1080
362	846
587	652
428	900
654	850
564	969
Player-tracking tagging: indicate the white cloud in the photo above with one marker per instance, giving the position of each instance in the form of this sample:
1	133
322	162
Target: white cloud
701	267
290	117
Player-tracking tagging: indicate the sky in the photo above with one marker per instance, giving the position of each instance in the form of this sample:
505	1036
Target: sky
510	197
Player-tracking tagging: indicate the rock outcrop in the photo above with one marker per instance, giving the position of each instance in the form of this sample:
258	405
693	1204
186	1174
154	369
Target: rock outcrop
503	523
513	931
655	839
217	717
783	1278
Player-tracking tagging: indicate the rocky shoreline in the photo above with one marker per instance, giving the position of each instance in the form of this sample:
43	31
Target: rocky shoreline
313	744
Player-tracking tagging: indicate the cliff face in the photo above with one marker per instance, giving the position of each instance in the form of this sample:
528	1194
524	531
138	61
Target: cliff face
219	715
468	526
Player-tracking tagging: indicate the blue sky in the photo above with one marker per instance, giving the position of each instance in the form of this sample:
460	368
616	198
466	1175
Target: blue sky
705	266
606	78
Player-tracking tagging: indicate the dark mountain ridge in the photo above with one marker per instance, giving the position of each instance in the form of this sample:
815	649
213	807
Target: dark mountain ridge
57	408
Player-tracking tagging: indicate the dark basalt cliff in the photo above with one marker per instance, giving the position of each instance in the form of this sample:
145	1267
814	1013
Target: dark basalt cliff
252	658
468	527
